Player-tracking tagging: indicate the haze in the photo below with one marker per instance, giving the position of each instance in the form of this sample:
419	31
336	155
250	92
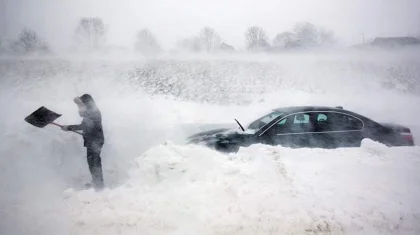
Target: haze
175	20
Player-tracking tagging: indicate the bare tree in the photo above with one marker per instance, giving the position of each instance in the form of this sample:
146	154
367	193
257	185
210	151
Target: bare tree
146	43
90	33
256	38
284	39
210	39
306	33
29	42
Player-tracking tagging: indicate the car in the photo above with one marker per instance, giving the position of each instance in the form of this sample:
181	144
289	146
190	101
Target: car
305	126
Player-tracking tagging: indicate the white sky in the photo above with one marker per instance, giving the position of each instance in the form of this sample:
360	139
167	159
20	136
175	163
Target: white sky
55	20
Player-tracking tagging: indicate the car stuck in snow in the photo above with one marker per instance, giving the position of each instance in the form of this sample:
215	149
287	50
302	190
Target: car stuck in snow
306	126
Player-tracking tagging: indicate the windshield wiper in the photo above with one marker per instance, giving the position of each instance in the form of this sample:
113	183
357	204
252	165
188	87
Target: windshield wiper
240	125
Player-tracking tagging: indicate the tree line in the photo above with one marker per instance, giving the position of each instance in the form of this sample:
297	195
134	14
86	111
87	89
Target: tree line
90	35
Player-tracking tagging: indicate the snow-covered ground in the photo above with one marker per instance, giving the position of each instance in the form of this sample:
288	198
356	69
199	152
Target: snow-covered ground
261	190
157	185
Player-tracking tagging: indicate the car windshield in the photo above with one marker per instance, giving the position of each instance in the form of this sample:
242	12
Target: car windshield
264	120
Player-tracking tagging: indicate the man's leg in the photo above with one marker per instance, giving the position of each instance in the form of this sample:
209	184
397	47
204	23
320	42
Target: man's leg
95	166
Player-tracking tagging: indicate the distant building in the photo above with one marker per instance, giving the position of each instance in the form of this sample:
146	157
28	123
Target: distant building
226	48
395	41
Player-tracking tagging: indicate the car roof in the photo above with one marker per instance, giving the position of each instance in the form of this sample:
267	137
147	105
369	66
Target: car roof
293	109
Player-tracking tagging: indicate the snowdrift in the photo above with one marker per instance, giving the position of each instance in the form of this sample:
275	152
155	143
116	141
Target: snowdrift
174	189
177	189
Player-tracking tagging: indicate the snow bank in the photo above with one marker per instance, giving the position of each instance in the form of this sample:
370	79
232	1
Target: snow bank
260	190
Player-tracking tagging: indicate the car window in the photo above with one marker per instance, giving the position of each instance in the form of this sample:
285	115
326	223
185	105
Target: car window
321	117
296	123
282	122
332	121
259	123
301	119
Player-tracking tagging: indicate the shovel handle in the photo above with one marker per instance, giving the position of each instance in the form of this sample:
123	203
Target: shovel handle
62	126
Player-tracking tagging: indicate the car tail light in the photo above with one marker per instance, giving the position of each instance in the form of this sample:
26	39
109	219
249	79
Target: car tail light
408	136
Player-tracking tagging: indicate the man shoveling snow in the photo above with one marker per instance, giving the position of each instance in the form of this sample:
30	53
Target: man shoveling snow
93	136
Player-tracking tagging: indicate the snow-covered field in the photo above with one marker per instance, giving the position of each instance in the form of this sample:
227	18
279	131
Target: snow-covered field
157	185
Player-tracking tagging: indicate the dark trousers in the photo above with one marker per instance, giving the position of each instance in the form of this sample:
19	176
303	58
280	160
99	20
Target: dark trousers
95	165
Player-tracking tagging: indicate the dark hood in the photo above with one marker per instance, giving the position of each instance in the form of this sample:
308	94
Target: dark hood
86	100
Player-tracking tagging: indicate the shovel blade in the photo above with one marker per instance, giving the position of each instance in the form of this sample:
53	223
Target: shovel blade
42	117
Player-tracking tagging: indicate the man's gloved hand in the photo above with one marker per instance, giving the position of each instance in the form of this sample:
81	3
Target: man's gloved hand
65	128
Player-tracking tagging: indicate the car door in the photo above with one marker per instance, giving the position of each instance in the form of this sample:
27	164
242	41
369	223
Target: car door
294	130
335	129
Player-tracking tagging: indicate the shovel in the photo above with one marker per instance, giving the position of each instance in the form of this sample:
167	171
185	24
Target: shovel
42	117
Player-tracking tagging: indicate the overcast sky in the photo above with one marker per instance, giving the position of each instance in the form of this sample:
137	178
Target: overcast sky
172	20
